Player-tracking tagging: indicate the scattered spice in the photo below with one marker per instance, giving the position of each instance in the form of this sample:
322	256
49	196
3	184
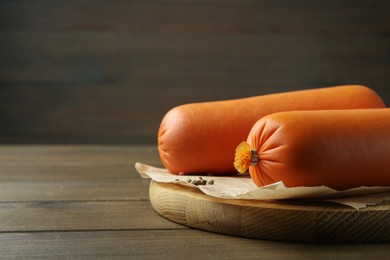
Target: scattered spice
199	181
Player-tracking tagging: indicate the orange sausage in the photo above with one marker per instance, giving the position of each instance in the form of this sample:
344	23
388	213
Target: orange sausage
202	137
341	149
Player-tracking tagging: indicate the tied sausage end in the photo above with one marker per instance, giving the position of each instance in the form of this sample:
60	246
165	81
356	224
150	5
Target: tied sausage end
245	157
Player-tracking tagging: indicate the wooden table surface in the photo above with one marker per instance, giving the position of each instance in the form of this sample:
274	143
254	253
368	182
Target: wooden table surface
87	201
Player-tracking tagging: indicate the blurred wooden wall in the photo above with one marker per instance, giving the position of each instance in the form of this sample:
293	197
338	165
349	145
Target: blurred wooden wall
106	71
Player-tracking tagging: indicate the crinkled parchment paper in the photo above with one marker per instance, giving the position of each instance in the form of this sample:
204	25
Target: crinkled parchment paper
242	187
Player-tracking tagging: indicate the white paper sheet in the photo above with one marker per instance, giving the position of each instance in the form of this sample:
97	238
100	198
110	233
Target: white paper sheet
242	187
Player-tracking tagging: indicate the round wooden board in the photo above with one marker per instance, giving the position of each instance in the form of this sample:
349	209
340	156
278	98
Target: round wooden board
300	221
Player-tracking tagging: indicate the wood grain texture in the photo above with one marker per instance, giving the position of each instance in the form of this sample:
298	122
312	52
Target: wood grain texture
64	182
78	154
78	201
213	16
107	71
83	215
282	221
170	244
73	173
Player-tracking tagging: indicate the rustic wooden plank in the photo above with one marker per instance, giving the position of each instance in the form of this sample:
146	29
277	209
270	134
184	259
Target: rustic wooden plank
119	59
68	173
193	16
78	154
127	84
171	244
68	182
73	215
112	57
131	229
274	220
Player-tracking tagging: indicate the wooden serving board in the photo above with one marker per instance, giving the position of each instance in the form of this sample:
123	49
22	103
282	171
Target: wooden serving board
294	220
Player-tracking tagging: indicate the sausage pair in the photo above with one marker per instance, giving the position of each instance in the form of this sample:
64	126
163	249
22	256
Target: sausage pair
202	137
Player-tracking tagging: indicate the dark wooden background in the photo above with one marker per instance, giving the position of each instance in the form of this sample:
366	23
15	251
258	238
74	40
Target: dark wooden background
106	71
